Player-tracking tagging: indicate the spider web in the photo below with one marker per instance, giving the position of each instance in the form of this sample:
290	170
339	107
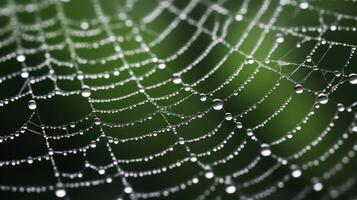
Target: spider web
178	99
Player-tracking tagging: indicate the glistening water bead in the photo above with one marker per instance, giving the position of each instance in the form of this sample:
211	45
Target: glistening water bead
322	99
352	78
85	92
298	89
217	104
265	150
230	189
32	104
176	79
60	193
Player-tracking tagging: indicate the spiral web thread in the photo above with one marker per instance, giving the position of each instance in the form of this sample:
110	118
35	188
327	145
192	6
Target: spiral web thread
106	29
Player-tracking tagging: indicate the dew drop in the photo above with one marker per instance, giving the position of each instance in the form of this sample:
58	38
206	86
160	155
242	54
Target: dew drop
298	89
304	5
84	25
86	92
162	66
32	104
209	174
318	186
228	116
238	17
25	74
322	98
239	125
265	150
352	78
60	192
295	171
128	189
217	104
176	79
116	72
340	107
20	58
230	189
203	97
280	39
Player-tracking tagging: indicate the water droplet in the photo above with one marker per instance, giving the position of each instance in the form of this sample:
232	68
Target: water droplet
280	39
86	92
238	17
228	116
209	174
116	72
318	186
20	58
322	98
128	189
162	66
304	5
295	171
176	79
265	150
101	171
239	125
203	97
340	107
298	89
60	192
193	158
84	25
352	78
217	104
25	74
96	121
32	104
250	60
230	189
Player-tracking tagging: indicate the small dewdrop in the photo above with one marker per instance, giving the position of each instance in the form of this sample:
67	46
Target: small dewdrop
84	25
203	97
304	5
20	58
318	186
228	116
230	189
128	189
101	171
238	17
250	60
116	72
340	107
239	125
295	171
60	192
333	28
209	174
32	104
217	104
352	78
354	128
24	74
85	92
298	89
176	79
279	39
322	98
265	150
161	65
193	158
